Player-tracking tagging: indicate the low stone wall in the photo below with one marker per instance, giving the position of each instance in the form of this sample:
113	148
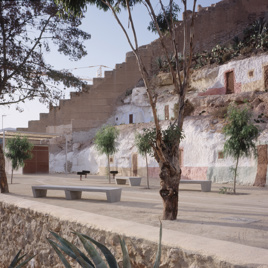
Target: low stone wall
26	224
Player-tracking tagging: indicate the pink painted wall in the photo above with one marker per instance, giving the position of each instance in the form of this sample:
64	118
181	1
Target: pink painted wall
191	173
213	91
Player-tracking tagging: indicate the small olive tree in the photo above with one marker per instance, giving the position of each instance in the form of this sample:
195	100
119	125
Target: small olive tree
18	150
143	144
240	134
105	141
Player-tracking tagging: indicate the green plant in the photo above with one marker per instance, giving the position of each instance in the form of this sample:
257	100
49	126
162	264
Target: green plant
142	142
17	259
94	258
105	141
240	134
226	190
19	149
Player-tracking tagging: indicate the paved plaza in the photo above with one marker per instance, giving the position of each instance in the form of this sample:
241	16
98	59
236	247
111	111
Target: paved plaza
241	219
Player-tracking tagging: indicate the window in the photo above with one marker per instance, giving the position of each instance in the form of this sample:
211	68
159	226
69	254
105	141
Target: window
251	73
220	155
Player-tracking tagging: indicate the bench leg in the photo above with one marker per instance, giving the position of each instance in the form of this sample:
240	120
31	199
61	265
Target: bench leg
70	195
206	186
39	193
113	195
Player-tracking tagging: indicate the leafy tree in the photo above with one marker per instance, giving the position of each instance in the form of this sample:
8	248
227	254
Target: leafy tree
105	141
19	149
240	134
168	159
162	17
27	30
143	144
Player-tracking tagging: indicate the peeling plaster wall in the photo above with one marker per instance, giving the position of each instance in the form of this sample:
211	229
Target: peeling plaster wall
200	158
248	75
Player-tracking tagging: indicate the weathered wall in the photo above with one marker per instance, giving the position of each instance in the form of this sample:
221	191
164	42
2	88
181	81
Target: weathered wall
248	76
26	224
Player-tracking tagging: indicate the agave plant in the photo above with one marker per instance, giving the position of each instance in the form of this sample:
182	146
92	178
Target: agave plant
94	258
17	259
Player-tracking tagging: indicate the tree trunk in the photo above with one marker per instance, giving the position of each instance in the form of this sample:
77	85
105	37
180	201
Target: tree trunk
169	192
235	174
148	186
109	174
12	176
3	177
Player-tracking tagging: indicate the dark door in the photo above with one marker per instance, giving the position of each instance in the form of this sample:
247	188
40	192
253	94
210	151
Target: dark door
135	164
131	119
166	112
40	161
230	82
260	179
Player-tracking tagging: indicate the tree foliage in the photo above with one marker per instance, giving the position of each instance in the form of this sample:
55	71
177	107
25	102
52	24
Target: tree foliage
143	143
18	150
105	141
28	29
164	18
240	134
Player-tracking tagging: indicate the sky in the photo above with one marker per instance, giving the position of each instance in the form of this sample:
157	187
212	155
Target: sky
107	46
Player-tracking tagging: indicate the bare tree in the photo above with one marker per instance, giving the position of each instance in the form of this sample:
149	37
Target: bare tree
166	153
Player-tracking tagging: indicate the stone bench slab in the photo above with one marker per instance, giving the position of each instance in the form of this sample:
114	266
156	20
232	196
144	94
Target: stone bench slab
133	181
205	185
113	194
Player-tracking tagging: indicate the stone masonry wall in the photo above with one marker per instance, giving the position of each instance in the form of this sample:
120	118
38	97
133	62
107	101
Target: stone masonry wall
26	224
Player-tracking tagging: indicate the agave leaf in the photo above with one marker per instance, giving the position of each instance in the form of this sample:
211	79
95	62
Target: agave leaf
61	256
73	251
126	260
25	262
106	252
91	250
16	260
158	254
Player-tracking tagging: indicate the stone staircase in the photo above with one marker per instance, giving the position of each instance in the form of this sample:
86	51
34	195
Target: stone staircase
213	25
92	107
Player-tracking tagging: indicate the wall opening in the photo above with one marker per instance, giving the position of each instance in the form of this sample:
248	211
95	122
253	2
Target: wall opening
40	161
220	155
229	82
166	112
135	165
131	119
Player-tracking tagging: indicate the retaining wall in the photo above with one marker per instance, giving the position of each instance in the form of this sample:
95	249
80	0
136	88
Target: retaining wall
25	224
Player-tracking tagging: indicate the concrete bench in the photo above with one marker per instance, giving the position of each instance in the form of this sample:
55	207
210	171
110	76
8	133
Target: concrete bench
133	181
205	185
113	194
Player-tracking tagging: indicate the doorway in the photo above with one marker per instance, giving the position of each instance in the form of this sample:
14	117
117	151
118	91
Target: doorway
230	82
135	165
